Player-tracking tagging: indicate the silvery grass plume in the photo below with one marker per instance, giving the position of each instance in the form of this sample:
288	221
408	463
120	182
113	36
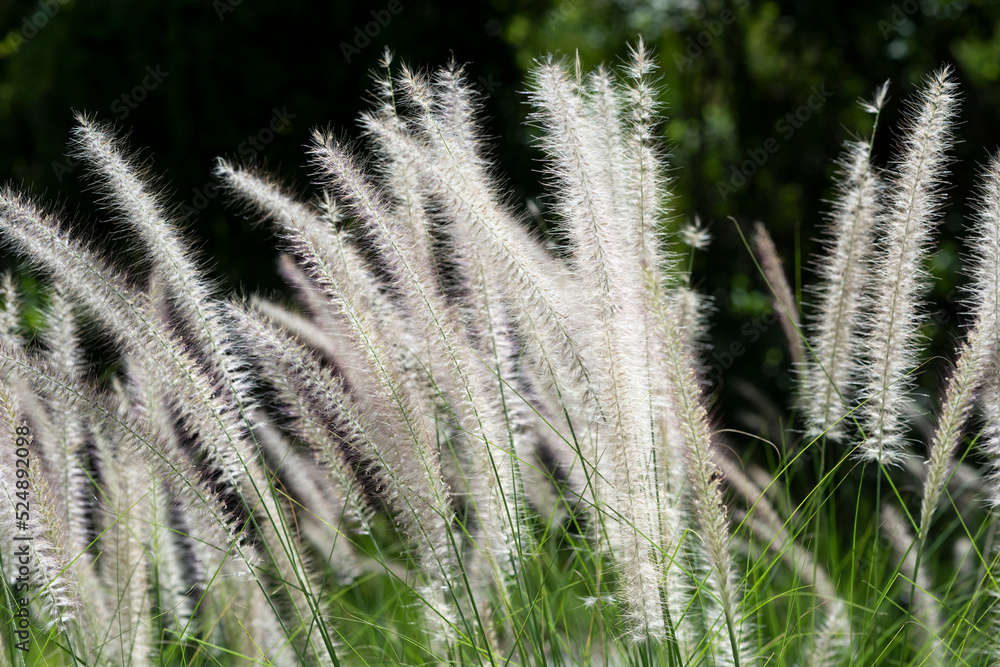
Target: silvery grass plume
984	337
455	403
784	304
911	205
974	378
584	148
843	270
395	432
975	375
442	346
206	406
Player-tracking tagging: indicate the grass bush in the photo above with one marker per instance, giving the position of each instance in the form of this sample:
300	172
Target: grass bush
469	444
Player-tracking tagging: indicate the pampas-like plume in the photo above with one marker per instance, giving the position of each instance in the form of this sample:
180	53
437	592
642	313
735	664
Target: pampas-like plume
784	300
69	431
843	272
125	522
976	366
985	299
913	201
690	419
323	414
209	401
451	363
403	437
955	411
126	312
537	287
47	574
237	480
978	358
126	191
583	145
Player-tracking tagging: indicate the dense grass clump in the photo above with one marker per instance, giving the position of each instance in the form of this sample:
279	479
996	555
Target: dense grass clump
466	443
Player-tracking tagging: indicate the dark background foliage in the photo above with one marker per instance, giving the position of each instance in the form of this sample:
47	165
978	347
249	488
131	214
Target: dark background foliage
738	75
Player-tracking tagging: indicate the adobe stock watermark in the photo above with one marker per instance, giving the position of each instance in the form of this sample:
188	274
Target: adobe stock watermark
898	19
562	11
724	358
751	331
363	35
785	127
121	106
44	12
223	7
486	84
124	105
281	120
712	28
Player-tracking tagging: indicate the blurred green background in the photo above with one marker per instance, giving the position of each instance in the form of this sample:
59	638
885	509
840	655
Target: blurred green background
194	80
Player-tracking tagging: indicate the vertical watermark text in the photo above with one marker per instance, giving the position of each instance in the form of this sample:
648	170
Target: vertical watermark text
23	556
